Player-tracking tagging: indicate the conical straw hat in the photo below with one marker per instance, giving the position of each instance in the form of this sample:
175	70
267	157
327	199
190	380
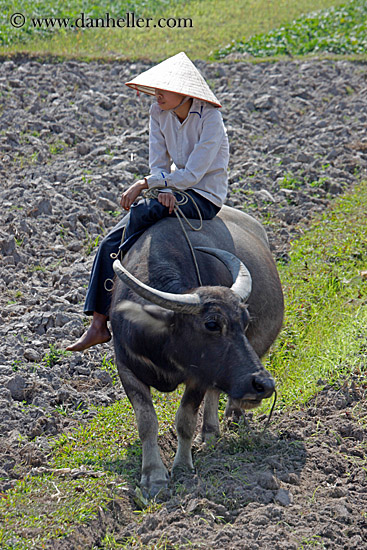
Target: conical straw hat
175	74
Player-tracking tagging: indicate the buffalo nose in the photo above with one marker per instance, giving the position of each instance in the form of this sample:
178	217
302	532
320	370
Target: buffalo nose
264	387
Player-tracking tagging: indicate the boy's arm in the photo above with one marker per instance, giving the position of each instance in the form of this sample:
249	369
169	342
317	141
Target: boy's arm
159	159
159	162
131	194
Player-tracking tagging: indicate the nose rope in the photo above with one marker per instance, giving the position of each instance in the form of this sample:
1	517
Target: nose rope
271	412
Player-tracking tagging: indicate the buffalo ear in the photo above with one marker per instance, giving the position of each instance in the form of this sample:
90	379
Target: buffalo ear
153	319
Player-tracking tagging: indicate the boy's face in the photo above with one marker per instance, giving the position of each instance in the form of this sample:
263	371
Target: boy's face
168	100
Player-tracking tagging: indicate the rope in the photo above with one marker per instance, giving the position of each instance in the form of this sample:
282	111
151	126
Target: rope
271	412
184	199
181	201
177	210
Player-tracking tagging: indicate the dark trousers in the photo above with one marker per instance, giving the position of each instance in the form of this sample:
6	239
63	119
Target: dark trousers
142	215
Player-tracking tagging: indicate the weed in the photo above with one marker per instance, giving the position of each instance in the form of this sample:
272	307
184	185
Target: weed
338	30
86	180
313	498
312	542
63	232
151	506
54	356
35	268
110	543
319	183
90	243
16	364
58	147
34	157
109	366
290	182
62	409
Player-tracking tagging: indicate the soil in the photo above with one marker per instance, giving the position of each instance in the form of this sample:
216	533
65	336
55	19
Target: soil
299	484
72	138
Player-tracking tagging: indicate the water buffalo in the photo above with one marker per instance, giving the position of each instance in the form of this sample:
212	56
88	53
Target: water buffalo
169	330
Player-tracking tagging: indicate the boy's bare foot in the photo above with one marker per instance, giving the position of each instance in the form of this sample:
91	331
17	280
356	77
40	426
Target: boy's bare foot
94	335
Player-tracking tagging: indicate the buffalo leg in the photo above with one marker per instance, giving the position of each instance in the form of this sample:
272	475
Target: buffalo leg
154	474
186	418
210	429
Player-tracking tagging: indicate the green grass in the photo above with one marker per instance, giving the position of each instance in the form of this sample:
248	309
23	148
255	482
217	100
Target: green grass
109	440
324	335
72	9
214	23
110	543
54	356
336	30
43	508
48	506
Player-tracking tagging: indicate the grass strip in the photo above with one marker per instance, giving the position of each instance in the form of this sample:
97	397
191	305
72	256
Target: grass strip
199	28
335	30
325	284
50	505
324	338
11	33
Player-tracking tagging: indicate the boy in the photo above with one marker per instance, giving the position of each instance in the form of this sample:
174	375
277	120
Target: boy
187	129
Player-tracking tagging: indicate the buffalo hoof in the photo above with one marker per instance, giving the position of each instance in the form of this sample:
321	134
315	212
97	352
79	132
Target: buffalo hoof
182	469
154	489
207	439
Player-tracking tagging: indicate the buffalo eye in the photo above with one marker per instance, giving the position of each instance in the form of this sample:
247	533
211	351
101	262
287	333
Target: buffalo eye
213	326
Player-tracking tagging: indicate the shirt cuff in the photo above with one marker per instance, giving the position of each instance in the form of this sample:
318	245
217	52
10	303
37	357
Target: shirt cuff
157	180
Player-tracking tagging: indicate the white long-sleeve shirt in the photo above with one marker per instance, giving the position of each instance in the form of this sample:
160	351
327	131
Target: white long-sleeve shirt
198	147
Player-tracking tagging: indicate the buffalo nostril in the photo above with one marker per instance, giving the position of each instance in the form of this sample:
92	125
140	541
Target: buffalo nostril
257	385
263	386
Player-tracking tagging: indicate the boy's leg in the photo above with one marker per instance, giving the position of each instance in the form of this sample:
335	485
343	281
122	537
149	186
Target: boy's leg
149	211
207	209
98	298
97	333
142	215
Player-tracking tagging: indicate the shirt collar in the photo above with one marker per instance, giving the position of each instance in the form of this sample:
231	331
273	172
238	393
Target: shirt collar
197	108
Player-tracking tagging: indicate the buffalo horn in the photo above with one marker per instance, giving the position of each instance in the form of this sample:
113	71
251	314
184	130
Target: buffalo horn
242	282
182	303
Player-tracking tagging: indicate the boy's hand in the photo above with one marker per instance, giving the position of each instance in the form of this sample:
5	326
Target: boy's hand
167	199
129	196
